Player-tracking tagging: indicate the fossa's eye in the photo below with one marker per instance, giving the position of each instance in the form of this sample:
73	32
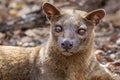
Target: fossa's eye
58	28
81	32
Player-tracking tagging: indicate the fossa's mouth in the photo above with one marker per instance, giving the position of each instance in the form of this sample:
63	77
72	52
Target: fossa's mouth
67	53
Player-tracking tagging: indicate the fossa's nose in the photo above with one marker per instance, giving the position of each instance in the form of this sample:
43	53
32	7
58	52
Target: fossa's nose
67	44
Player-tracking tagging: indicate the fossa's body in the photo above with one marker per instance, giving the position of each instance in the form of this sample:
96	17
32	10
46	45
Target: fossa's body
66	56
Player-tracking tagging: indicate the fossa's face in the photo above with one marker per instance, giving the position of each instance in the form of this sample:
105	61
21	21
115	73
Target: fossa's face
71	33
70	30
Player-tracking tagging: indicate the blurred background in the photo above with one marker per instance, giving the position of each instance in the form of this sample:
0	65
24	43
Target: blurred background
23	23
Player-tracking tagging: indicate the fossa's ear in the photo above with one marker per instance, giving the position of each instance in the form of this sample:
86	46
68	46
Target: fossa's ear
50	10
95	16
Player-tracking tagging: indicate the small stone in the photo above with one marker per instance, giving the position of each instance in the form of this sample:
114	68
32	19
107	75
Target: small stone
2	35
13	42
109	52
25	44
117	55
118	42
30	33
19	43
31	44
26	39
112	56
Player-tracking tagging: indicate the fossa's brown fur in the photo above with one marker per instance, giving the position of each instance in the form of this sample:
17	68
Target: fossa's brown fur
50	62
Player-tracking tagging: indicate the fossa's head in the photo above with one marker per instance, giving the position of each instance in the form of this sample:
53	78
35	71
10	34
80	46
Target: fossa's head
72	30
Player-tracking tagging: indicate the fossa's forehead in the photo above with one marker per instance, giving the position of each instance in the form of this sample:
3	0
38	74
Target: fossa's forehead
71	19
72	16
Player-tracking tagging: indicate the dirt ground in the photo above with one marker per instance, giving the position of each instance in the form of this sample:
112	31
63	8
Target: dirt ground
107	40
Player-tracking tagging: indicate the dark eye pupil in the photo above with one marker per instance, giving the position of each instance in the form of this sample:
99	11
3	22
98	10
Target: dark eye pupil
58	28
81	31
